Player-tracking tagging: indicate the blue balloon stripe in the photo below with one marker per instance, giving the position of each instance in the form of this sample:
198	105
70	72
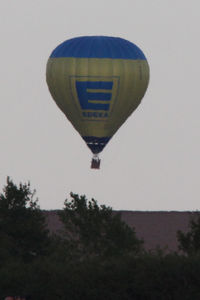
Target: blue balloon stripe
96	144
98	47
99	96
104	85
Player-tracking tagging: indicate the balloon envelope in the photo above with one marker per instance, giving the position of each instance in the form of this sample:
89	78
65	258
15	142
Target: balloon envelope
97	81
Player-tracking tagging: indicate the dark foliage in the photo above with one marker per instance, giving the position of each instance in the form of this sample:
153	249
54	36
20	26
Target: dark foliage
97	257
147	277
189	242
23	230
96	230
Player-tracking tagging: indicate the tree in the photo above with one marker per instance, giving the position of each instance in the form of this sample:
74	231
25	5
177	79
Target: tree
23	230
189	242
97	230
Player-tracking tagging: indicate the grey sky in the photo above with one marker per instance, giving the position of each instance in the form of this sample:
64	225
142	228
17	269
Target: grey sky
152	163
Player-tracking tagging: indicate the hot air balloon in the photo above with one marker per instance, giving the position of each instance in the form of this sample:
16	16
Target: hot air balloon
97	82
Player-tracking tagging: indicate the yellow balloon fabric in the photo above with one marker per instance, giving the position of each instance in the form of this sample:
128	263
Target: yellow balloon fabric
97	82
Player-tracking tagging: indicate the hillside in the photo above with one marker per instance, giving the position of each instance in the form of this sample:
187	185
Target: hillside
155	228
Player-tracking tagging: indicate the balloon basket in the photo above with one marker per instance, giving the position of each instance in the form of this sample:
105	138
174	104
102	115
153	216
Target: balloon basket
95	163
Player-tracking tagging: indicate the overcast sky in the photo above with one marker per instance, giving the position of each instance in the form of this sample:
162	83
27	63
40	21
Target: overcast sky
152	163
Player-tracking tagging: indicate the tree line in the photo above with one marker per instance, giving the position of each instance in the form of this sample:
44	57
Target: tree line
96	256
